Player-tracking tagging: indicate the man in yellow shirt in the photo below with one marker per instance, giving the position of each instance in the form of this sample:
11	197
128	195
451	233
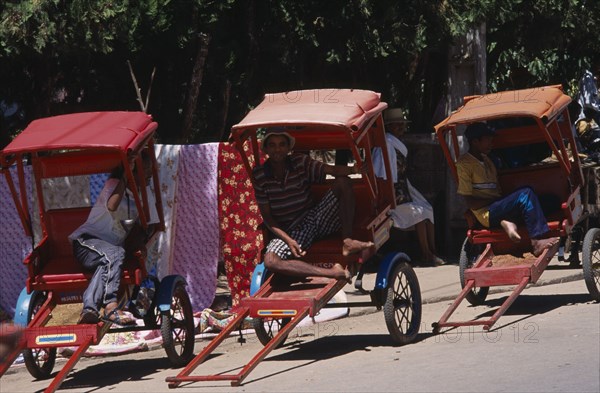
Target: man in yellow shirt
478	184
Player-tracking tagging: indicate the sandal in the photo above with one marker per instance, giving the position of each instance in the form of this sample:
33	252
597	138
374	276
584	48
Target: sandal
117	318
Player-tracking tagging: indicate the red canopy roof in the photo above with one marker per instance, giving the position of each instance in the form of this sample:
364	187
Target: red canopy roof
336	107
102	130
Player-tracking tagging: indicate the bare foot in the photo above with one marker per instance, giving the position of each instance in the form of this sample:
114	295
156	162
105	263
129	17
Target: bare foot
340	273
352	246
539	245
511	230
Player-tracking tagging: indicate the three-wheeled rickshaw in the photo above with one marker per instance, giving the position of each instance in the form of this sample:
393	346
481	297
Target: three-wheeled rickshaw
534	146
338	120
75	148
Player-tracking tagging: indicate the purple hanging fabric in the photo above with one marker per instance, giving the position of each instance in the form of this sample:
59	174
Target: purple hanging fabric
196	245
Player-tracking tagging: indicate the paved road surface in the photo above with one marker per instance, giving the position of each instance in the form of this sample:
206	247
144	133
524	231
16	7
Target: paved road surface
549	341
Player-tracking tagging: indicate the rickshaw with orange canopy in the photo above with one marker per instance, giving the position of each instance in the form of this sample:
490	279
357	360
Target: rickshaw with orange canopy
534	146
74	148
324	120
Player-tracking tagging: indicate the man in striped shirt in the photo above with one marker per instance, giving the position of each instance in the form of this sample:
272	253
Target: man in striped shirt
478	184
282	189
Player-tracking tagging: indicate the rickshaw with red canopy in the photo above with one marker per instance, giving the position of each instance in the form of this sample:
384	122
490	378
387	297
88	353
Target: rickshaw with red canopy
323	120
528	123
75	147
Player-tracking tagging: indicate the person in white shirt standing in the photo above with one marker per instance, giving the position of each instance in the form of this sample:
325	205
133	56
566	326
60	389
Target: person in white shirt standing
412	210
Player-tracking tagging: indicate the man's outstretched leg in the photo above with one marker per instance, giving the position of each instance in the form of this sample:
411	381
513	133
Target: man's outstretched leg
523	204
298	268
342	189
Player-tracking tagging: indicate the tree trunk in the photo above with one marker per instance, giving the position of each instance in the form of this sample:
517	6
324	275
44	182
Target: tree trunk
226	95
194	91
467	60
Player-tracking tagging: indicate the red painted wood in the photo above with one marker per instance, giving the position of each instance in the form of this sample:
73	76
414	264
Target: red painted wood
496	276
201	357
184	375
444	319
66	369
483	275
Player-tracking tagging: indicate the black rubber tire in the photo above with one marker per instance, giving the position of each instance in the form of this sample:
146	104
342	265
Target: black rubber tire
591	262
266	333
468	255
39	361
573	242
402	307
177	328
153	317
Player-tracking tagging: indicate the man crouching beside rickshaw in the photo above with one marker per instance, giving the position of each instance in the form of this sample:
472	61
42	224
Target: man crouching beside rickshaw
282	189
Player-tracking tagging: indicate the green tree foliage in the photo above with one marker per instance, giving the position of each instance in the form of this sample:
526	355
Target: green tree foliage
533	43
60	56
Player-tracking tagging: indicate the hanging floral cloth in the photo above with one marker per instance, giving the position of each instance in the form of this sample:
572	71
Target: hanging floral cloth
239	217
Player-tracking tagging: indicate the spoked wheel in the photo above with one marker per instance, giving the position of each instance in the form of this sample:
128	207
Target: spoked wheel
177	328
39	361
468	255
591	262
402	307
267	328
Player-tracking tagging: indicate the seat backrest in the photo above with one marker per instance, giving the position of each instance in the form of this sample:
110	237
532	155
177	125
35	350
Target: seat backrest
364	211
60	223
543	179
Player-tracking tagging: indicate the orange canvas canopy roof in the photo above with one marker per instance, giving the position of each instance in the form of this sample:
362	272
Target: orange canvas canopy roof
539	102
102	130
347	108
541	116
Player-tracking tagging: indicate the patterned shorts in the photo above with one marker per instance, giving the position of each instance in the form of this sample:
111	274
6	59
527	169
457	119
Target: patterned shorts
322	220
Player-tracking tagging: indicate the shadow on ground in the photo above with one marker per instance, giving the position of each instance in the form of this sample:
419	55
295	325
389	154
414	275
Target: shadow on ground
328	348
100	377
528	306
